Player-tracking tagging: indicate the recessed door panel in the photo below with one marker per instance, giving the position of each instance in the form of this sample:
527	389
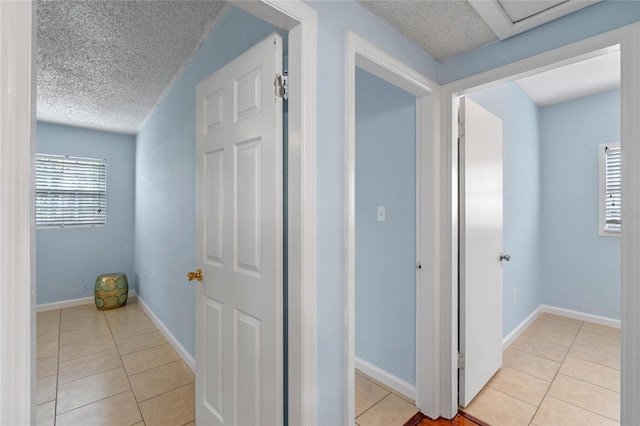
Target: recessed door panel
214	193
213	338
247	198
213	111
247	95
248	382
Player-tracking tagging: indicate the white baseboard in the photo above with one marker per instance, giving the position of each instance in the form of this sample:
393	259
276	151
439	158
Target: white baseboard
581	316
509	338
65	304
184	354
395	383
76	302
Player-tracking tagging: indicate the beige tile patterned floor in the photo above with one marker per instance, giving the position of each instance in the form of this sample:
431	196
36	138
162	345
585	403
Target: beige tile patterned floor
379	405
559	371
109	368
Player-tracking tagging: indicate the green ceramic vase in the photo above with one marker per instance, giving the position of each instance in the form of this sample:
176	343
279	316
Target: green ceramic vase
111	291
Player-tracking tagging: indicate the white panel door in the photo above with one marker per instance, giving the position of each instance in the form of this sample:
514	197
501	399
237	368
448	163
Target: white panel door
480	248
239	241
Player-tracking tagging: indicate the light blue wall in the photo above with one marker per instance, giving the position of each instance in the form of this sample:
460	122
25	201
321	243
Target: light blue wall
581	270
386	251
69	259
165	179
521	179
585	23
334	19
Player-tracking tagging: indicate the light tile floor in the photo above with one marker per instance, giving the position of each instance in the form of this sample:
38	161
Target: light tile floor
109	368
377	404
559	371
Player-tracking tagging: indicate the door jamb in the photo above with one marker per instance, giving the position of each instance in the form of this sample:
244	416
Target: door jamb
360	53
301	22
17	212
628	38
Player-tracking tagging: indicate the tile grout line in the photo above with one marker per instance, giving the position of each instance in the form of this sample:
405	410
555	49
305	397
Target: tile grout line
515	397
144	349
376	403
94	402
138	403
168	391
155	366
573	339
510	396
94	374
387	388
55	404
583	408
80	378
111	369
125	370
588	383
557	372
523	349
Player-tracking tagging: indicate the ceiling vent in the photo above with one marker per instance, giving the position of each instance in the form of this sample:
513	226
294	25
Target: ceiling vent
510	17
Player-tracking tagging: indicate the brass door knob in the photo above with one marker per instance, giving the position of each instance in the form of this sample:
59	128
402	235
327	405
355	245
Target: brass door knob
195	275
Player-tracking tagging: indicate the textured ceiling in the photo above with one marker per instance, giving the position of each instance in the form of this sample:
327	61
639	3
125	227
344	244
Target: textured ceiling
443	28
105	64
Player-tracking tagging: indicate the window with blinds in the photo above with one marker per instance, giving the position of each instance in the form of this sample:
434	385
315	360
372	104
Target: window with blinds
610	189
70	191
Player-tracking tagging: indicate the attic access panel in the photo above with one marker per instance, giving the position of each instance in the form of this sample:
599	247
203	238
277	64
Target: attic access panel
520	10
507	18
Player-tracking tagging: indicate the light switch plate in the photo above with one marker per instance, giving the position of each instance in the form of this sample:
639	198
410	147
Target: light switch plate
382	214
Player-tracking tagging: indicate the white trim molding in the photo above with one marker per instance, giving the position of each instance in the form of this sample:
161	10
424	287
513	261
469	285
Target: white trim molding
360	53
627	39
90	300
516	332
184	354
567	313
301	22
397	384
630	133
580	316
43	307
17	245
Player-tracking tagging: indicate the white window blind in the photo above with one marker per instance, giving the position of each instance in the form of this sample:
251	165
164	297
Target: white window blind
613	189
70	191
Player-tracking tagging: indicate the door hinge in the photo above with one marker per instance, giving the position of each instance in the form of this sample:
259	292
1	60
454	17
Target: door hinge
460	130
418	265
281	85
460	361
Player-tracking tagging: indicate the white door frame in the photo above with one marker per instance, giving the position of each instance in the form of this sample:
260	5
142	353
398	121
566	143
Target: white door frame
17	249
629	40
17	151
362	54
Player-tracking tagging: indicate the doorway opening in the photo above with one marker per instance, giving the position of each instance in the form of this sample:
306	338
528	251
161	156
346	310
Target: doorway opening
300	20
379	68
560	305
386	237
